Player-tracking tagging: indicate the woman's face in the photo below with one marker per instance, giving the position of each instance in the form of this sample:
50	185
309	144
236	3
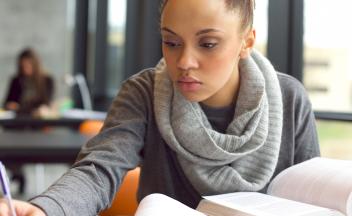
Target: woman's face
202	45
27	66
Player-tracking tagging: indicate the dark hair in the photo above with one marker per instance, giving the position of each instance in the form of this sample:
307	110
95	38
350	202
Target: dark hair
244	7
39	75
31	55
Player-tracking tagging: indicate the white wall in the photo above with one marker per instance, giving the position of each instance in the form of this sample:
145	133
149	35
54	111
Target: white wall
45	25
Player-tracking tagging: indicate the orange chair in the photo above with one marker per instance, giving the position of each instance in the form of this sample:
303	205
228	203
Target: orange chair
90	127
125	202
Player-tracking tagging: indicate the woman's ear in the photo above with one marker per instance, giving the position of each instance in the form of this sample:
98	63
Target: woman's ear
248	43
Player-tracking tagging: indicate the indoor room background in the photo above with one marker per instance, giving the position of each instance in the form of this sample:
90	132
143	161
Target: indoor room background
109	40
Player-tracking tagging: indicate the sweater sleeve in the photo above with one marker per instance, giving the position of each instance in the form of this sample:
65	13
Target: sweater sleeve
307	145
300	140
14	91
90	185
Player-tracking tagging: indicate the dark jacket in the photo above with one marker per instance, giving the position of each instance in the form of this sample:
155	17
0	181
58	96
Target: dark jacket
17	89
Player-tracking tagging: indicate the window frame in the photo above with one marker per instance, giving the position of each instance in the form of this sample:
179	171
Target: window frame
142	22
285	36
285	45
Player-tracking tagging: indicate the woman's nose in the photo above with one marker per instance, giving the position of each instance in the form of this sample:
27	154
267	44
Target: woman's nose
187	60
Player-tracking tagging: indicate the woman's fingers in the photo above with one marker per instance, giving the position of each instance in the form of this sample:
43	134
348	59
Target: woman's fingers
4	210
22	209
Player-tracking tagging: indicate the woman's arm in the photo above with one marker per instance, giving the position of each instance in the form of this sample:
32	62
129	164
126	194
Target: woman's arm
300	121
13	95
307	143
90	185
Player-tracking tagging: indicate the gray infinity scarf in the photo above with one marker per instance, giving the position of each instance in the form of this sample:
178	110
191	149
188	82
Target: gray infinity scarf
243	159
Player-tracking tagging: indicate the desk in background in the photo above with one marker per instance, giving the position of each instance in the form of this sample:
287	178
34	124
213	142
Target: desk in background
56	146
38	122
28	140
71	118
20	147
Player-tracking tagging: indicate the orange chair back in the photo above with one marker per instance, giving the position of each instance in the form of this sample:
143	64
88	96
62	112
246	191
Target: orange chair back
125	202
90	127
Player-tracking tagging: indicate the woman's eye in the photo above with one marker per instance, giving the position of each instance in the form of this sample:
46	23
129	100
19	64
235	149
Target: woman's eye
208	45
171	44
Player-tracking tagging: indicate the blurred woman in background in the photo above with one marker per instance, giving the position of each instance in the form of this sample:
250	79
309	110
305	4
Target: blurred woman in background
31	87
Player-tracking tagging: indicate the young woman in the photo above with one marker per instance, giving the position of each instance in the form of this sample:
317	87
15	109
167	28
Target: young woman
212	117
31	87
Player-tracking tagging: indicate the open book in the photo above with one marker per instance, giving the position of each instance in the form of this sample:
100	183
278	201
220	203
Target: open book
317	187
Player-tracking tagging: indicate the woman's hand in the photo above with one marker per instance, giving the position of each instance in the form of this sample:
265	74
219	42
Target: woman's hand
21	208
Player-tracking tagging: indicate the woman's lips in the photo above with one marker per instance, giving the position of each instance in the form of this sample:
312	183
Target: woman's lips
188	84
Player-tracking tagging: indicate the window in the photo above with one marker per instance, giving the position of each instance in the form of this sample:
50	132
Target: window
327	71
328	54
116	44
101	42
261	25
335	139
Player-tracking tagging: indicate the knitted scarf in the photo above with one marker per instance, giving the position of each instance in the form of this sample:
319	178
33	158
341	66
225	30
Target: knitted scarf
243	159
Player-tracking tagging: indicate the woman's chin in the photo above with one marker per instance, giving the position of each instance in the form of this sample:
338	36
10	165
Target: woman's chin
192	97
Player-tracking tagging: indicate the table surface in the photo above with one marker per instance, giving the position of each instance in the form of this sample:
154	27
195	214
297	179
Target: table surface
37	122
54	146
71	119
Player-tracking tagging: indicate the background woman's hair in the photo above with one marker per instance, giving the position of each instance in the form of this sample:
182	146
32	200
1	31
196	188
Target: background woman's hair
244	7
39	76
31	55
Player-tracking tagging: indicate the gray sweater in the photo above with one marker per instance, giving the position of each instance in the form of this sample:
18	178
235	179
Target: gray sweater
131	138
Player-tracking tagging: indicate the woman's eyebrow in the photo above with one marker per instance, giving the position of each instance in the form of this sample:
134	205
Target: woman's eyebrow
203	31
168	30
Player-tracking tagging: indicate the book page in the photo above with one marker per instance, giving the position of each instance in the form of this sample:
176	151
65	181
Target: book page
251	203
319	181
162	205
215	209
